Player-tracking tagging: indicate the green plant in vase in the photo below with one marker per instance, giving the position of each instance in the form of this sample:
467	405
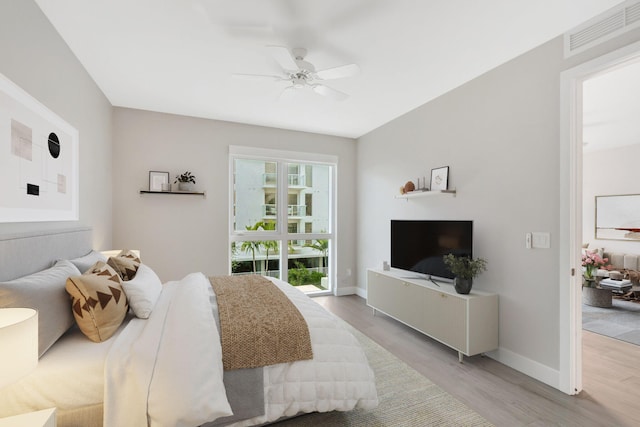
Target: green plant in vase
465	269
185	181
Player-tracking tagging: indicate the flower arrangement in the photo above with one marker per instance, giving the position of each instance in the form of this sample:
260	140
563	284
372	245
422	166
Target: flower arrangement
591	262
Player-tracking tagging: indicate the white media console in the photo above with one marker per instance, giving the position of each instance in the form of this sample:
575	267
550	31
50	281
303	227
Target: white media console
466	323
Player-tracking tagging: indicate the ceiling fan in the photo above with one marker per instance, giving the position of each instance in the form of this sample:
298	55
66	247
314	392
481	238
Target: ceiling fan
302	74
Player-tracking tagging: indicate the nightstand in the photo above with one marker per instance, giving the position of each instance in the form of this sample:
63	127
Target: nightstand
44	418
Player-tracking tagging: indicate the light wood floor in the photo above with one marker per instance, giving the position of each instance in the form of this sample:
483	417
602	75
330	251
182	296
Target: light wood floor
506	397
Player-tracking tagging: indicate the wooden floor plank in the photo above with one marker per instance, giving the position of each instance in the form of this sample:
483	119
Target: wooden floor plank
506	397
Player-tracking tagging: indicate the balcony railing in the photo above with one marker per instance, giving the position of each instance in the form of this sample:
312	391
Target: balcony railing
292	210
293	179
276	273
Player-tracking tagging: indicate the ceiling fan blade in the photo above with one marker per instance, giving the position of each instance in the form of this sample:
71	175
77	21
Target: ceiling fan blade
284	57
338	72
329	92
287	93
260	77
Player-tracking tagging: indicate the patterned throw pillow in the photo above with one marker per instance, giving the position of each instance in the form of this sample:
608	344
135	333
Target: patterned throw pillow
126	264
98	302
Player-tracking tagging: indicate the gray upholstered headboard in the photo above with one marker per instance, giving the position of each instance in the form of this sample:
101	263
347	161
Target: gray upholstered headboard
22	254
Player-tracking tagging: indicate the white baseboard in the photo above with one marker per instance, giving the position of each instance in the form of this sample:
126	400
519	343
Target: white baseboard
527	366
520	363
351	290
347	290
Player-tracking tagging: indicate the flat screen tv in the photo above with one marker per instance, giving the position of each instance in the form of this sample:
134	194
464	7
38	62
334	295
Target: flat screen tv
419	246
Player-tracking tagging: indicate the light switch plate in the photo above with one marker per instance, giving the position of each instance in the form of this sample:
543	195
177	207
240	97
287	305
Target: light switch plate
541	240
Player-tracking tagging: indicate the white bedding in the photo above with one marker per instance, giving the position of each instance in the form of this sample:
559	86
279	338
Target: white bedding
168	376
338	378
167	369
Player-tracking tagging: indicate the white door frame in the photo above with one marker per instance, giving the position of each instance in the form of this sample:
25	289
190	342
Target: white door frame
570	295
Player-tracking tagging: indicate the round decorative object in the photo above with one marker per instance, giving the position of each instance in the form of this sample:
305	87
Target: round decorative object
597	297
462	286
54	145
409	186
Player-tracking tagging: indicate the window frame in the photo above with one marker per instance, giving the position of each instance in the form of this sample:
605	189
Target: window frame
281	234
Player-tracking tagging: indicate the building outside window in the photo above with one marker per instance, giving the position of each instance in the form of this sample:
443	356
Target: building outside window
266	235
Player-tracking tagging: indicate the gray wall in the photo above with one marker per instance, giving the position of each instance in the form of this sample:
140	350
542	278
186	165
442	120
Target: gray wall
35	58
500	136
179	234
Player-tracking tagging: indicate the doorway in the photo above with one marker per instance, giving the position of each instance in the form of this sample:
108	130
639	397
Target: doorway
571	171
611	199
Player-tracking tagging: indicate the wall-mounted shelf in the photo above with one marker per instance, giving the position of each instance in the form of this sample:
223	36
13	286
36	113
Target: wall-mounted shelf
414	194
192	193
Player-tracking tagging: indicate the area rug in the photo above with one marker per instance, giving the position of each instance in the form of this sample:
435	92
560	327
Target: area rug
621	321
407	399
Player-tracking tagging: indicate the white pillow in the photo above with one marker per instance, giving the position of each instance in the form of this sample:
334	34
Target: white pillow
143	291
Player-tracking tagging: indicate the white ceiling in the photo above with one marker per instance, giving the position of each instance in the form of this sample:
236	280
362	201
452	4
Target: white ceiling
178	56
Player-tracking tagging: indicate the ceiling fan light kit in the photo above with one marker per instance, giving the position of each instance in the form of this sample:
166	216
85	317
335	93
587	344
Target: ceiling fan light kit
302	74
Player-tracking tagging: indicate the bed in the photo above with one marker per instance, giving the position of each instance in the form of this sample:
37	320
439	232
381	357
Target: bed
168	369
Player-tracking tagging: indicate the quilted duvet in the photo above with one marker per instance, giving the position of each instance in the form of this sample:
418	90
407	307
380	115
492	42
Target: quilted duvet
338	378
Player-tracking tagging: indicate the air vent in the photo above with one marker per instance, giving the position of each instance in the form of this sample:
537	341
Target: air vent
612	23
632	14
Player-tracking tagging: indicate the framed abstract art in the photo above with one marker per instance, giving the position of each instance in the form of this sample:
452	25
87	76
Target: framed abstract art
39	160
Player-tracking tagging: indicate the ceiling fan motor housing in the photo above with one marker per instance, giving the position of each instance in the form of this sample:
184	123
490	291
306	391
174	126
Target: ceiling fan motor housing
299	80
303	74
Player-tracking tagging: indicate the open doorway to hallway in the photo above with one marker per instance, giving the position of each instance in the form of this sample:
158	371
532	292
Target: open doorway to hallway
611	202
610	151
571	219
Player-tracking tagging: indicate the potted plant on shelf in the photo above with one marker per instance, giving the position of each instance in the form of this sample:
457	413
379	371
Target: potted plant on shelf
465	269
185	181
592	294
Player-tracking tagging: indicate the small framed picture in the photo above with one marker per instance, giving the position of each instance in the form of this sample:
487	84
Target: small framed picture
158	181
439	178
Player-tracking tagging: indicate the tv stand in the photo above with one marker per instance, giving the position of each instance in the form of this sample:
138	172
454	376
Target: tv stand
466	323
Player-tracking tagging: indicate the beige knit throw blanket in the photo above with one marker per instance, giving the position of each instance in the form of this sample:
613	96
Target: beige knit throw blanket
259	325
